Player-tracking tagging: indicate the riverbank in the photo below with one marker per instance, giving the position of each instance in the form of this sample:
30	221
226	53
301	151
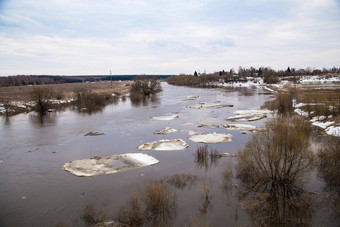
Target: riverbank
17	99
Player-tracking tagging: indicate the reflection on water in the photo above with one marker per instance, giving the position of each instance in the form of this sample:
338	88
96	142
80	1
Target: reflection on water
140	100
206	157
272	204
206	204
329	170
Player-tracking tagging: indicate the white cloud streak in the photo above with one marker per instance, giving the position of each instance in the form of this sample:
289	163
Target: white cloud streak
136	36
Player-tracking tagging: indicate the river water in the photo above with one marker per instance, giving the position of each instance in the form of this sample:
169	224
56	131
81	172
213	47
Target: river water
35	191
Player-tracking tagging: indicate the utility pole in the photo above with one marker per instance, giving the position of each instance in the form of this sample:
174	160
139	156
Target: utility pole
111	78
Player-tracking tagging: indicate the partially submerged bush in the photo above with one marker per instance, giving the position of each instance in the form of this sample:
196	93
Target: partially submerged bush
41	97
159	201
281	155
145	86
205	157
89	101
131	214
91	216
206	196
271	168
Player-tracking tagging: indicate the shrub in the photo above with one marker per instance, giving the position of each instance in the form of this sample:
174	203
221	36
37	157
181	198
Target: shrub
159	201
131	213
42	97
281	155
86	99
145	86
91	216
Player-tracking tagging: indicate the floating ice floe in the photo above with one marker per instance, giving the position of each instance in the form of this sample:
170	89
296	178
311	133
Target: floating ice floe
211	138
165	130
190	98
106	165
165	118
249	115
200	106
94	134
227	155
208	126
254	131
164	145
191	132
239	127
189	123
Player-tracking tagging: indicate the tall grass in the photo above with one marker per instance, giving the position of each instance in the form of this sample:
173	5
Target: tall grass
159	201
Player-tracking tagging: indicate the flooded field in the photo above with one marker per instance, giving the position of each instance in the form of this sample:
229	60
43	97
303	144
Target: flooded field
36	191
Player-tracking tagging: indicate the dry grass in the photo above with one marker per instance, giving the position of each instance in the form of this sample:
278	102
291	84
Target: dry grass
159	202
21	93
206	196
131	214
91	215
206	157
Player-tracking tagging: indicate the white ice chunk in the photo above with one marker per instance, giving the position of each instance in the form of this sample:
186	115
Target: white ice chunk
165	130
164	145
106	165
165	118
211	138
239	127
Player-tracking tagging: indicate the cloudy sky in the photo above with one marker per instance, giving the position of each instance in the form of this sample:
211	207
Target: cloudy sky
73	37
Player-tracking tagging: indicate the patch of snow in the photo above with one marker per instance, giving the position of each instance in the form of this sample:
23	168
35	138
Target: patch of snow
106	165
239	127
165	130
323	124
165	118
211	138
333	130
268	89
301	112
164	145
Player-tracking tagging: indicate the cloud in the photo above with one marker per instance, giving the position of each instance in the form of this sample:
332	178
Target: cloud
140	36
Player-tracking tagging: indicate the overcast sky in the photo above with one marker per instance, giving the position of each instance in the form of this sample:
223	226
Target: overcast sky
74	37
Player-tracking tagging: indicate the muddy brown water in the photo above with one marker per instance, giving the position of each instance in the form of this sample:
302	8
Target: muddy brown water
35	191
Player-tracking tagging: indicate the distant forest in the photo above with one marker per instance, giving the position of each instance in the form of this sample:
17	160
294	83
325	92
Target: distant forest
21	80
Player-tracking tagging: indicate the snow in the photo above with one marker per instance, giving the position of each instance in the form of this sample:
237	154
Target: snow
268	89
211	138
333	130
165	118
301	112
164	145
319	79
107	165
323	124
